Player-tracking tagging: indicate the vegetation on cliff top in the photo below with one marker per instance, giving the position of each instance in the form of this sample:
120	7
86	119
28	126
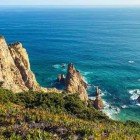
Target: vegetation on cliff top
36	116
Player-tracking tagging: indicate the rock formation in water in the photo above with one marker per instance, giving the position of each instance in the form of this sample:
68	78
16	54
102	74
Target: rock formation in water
61	79
98	103
75	83
15	72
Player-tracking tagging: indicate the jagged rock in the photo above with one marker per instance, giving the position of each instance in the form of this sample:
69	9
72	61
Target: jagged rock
75	83
98	103
138	99
15	72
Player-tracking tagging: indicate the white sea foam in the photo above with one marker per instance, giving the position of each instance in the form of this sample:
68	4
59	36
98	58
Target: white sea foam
85	79
138	104
87	73
135	93
85	76
110	111
102	93
131	62
124	106
59	66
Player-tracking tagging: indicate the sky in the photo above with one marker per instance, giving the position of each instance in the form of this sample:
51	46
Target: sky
71	2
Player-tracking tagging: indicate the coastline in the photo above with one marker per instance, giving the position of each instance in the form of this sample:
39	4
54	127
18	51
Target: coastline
103	46
111	110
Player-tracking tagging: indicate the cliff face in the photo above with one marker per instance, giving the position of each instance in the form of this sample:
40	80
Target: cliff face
15	72
75	83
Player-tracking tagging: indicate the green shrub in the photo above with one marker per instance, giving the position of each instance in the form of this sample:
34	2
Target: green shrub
58	103
6	96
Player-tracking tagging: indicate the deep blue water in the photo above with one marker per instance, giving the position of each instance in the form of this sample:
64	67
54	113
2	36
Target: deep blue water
103	43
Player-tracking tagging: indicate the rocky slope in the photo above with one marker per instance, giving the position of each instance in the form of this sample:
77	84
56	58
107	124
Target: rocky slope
75	83
15	72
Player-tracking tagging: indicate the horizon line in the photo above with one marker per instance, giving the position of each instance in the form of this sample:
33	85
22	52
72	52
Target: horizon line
71	5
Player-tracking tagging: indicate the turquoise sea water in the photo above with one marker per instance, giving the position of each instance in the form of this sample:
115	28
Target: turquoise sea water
103	43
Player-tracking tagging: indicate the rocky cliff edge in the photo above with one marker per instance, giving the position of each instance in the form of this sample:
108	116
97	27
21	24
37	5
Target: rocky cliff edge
15	71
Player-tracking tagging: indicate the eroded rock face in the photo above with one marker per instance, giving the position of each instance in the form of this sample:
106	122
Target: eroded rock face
75	83
98	103
15	72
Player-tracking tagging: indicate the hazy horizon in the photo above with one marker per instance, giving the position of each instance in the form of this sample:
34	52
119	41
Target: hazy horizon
74	6
82	3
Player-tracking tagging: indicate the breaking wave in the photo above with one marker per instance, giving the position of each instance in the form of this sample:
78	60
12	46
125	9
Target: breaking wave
135	93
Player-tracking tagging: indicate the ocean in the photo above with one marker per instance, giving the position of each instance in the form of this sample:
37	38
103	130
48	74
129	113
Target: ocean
103	43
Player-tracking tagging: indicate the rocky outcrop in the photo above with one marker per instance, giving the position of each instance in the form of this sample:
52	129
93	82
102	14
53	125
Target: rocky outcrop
15	71
98	103
75	83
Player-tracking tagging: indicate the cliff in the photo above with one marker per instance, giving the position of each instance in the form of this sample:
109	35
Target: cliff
75	83
15	71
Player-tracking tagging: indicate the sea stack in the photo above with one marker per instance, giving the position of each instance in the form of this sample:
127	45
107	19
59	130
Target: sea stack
98	103
15	71
75	83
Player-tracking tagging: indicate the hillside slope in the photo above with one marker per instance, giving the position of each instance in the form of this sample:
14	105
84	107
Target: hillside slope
36	116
